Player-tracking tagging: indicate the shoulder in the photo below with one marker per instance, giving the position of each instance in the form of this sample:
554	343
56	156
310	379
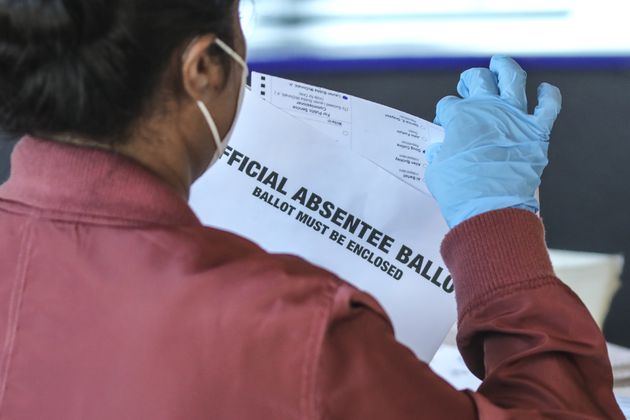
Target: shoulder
220	265
284	275
229	251
286	290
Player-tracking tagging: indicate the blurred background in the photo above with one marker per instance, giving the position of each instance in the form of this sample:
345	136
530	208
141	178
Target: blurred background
409	53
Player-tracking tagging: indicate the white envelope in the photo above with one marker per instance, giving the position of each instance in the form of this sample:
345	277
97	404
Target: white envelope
286	186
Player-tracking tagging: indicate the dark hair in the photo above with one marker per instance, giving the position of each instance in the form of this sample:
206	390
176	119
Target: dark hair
91	67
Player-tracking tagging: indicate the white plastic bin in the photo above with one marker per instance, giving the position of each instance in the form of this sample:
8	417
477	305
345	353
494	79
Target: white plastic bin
593	277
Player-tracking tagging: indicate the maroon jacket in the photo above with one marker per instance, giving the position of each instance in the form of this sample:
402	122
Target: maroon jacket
115	303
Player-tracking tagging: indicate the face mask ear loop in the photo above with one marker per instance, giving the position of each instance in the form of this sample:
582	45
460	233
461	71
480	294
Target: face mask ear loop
240	61
225	47
212	125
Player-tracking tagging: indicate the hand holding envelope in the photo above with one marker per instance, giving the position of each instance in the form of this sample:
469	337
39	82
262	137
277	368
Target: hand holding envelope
494	151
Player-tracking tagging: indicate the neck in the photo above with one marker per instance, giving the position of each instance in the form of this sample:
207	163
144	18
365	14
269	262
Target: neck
170	164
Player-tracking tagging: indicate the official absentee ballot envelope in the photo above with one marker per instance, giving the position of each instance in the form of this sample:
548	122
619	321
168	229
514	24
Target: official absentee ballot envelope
291	189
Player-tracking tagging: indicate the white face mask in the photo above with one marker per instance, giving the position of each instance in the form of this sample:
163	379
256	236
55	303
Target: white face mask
222	144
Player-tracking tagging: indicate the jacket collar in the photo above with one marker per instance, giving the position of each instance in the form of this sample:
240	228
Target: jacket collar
82	183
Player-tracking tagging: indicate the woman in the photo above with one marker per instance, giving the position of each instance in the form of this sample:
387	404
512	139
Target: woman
117	304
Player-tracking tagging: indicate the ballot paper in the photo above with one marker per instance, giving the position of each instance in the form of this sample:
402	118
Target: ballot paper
392	139
291	189
449	364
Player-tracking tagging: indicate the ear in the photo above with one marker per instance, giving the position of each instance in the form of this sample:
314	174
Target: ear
202	74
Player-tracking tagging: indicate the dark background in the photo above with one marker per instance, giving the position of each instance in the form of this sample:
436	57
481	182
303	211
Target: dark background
585	196
6	145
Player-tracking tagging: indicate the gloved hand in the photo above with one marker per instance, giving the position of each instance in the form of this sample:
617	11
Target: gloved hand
494	151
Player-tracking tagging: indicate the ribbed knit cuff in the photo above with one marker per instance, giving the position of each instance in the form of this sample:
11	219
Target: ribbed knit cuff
496	252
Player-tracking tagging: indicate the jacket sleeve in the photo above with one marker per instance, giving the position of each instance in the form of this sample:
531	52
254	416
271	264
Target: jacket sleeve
523	332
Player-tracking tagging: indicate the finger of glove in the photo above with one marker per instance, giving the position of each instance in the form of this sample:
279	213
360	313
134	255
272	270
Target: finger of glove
432	152
549	106
445	110
477	82
512	81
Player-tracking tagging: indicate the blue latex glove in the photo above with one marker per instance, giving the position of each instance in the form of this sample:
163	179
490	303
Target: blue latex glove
494	151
